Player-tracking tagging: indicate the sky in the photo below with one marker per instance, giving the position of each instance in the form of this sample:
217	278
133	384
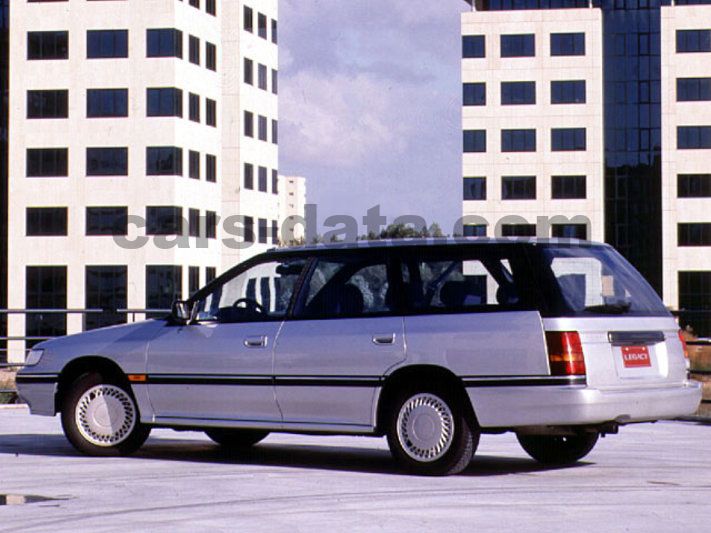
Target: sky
370	105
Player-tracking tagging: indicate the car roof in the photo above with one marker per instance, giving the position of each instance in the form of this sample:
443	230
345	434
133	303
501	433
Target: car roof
435	241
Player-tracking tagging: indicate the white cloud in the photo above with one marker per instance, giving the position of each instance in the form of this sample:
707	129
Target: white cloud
340	120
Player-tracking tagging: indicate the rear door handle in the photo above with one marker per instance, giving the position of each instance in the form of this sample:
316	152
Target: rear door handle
258	341
382	340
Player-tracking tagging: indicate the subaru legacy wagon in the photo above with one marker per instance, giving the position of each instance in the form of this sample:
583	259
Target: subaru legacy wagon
429	343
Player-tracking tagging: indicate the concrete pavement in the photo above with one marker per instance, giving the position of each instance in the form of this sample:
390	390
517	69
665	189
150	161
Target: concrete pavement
648	478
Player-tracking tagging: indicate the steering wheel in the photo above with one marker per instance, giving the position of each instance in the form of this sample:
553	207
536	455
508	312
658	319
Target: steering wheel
250	305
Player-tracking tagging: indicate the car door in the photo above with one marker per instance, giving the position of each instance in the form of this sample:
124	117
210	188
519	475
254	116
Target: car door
344	336
220	366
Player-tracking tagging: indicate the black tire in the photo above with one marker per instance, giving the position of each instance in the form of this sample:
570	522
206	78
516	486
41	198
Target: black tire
82	415
236	438
450	450
558	450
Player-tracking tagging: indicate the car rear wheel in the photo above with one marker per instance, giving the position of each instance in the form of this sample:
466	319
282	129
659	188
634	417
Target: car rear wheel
429	435
558	450
236	438
100	417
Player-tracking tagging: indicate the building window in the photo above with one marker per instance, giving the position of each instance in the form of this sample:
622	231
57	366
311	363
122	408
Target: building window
568	139
694	185
473	46
164	161
193	280
275	81
164	102
101	44
518	188
567	44
275	27
570	231
164	285
47	45
275	182
475	188
164	220
690	41
518	45
194	165
248	229
569	188
210	112
210	168
248	124
211	7
263	231
474	94
194	107
518	140
474	141
166	42
518	92
518	230
210	274
262	77
568	92
210	56
695	234
194	49
248	71
107	220
211	225
194	222
106	289
695	295
263	128
693	89
106	103
46	221
47	104
248	19
103	161
474	230
248	176
195	3
47	162
45	288
275	131
262	183
693	137
275	232
262	25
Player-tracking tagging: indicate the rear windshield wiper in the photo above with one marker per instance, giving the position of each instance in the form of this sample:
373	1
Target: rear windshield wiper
617	308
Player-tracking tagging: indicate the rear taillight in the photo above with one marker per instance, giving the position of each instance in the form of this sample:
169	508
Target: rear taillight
683	344
565	353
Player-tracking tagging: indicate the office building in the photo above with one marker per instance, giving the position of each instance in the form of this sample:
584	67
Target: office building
590	119
143	153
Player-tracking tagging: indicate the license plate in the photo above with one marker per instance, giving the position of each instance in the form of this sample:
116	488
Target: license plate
636	356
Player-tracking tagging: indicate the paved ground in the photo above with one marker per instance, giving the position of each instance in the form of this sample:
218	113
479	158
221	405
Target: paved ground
649	478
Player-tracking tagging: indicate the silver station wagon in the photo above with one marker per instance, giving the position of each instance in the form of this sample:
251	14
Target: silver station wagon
430	343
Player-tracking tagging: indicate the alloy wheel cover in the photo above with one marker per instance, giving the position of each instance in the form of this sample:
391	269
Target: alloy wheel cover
425	427
105	415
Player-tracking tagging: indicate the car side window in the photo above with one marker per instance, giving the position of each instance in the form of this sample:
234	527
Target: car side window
260	293
460	282
347	288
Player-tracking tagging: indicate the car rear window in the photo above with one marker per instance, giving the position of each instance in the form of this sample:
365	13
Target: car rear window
597	281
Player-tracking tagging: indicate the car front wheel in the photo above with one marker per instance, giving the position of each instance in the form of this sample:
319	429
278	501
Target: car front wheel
429	435
558	450
100	417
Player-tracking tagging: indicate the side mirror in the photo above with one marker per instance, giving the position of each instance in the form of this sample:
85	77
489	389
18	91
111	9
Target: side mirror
181	312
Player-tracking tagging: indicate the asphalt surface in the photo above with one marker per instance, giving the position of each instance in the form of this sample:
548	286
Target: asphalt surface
648	478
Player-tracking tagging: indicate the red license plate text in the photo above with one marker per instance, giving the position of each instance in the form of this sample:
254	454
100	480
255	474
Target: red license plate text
636	356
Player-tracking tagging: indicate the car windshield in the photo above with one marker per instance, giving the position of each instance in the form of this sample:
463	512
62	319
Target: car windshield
596	280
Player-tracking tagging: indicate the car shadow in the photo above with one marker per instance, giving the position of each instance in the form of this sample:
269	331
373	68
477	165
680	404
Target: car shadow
303	456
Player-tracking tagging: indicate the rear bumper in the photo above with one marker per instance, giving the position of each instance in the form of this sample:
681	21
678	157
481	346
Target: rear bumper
580	405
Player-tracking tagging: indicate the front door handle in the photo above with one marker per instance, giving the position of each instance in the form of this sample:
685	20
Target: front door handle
258	341
382	340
